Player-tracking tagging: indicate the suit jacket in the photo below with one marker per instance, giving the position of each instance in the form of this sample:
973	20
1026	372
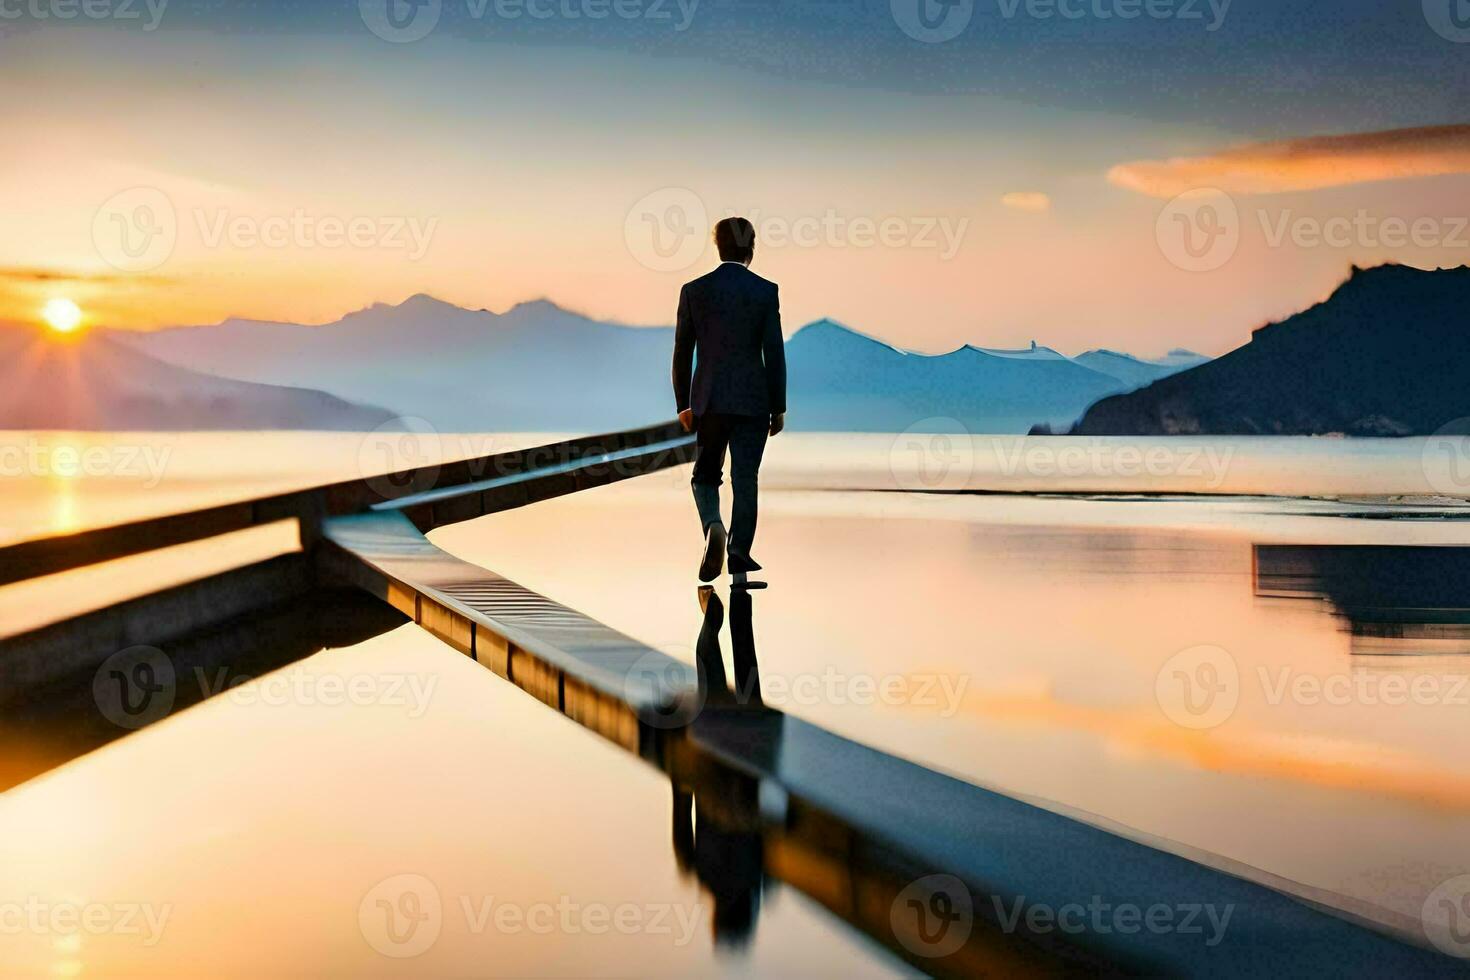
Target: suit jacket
732	319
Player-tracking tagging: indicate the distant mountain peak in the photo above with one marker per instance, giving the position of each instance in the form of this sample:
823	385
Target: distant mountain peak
541	305
95	382
1396	275
1035	351
1385	354
828	328
417	303
1378	288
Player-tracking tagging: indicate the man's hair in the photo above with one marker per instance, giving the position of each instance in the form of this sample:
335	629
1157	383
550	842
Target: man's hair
735	238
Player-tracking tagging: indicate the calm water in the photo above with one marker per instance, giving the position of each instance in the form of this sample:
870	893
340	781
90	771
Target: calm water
1156	665
253	835
61	482
1033	645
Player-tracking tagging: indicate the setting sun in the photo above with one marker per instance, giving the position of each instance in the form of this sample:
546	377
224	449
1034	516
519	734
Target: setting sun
62	315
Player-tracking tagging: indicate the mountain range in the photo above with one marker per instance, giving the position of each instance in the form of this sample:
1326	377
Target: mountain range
93	382
1387	354
540	367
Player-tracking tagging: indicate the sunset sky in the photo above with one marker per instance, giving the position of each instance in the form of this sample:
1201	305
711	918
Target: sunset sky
1014	181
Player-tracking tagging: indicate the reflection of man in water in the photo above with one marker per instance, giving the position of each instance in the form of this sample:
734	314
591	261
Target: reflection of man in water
717	825
709	659
717	837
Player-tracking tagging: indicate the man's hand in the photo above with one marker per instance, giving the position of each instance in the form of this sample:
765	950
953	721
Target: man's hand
686	419
778	422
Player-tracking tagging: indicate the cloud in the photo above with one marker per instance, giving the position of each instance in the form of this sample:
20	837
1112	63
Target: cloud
1305	164
1027	201
14	274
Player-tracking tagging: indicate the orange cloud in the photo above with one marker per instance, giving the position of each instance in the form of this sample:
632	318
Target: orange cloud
1305	164
1027	201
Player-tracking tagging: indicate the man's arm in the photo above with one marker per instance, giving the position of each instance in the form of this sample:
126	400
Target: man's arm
773	348
683	356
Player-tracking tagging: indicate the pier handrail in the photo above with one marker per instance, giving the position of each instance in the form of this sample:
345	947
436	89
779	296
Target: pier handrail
432	496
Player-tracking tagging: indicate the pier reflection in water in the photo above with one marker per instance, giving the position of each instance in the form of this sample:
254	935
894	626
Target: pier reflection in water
1391	599
253	816
735	833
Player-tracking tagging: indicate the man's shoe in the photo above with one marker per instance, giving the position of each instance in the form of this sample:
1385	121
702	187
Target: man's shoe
742	580
743	563
714	553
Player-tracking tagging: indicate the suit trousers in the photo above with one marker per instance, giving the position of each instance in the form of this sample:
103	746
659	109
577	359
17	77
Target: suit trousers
744	436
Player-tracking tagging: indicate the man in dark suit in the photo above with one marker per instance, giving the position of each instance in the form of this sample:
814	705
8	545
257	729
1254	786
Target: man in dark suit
735	395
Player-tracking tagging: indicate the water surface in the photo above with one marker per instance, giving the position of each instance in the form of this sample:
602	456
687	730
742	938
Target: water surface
1043	644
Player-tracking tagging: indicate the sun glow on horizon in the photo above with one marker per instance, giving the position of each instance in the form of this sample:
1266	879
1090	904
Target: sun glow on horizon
62	315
